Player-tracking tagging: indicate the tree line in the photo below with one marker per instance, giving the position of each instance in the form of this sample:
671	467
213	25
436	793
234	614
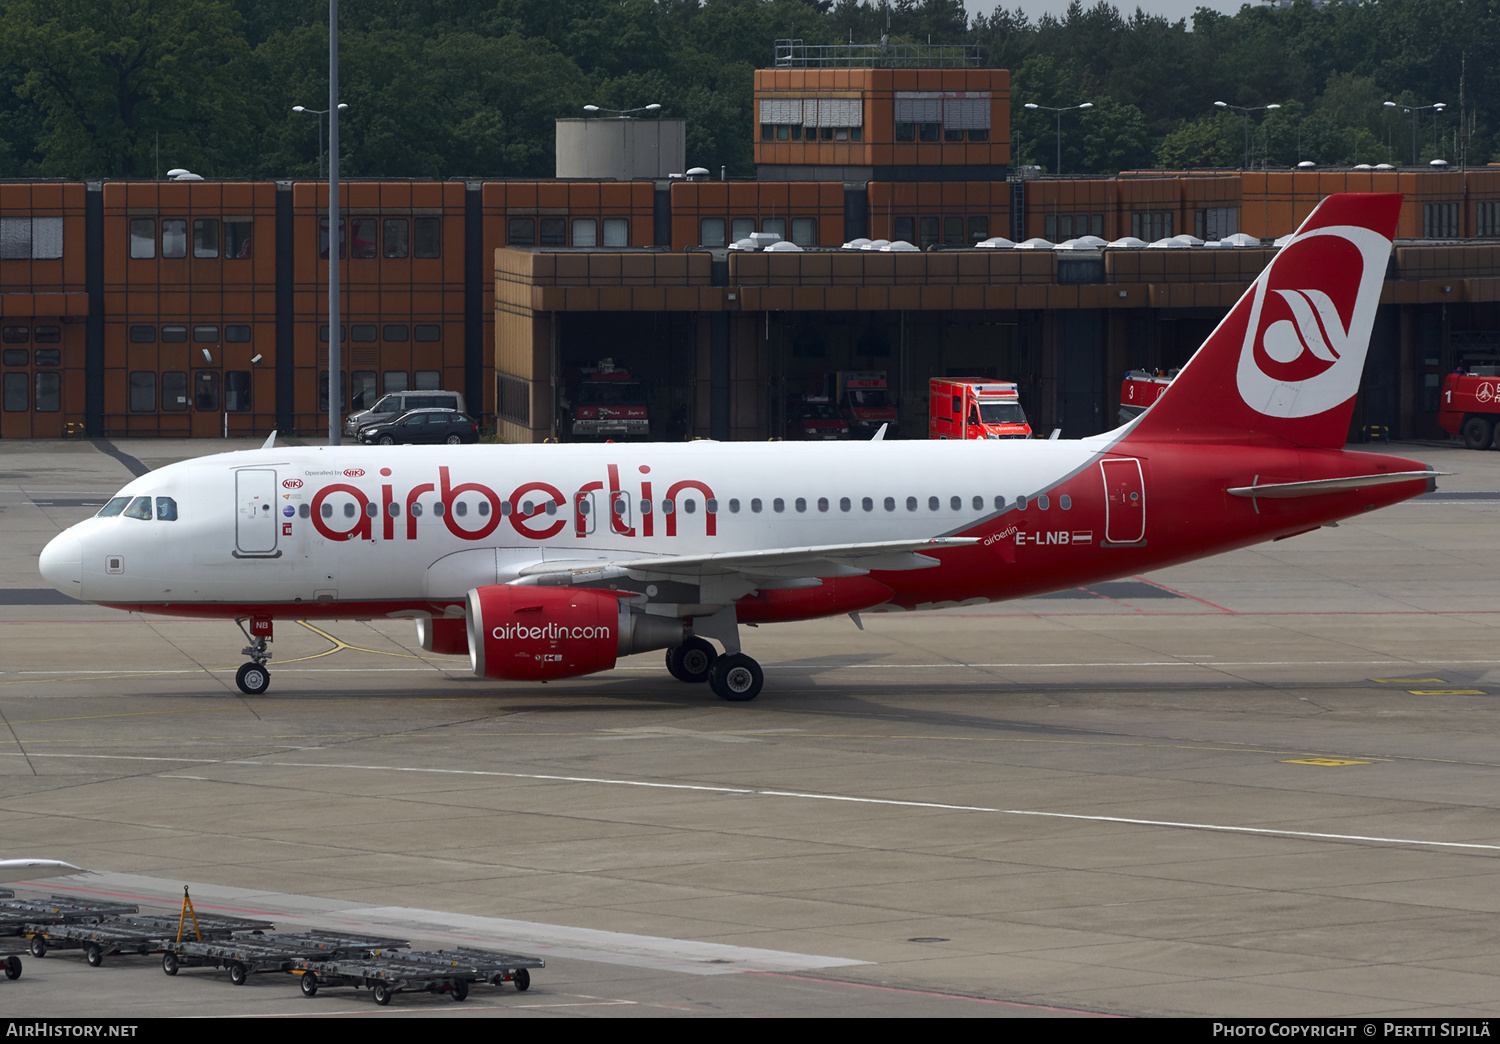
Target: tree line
454	88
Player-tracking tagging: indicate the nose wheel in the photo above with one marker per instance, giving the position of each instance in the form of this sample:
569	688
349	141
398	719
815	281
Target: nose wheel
253	678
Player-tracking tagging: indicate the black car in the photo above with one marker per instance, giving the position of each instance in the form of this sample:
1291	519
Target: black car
423	426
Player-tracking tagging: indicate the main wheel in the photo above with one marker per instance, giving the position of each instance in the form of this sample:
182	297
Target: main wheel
309	984
523	979
13	967
237	973
460	989
253	679
691	661
38	946
94	954
382	994
736	677
169	963
1478	432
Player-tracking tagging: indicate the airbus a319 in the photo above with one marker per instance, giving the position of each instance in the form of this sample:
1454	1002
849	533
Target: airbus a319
544	562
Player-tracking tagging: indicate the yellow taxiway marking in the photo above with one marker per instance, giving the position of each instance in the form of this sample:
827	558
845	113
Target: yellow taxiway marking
1447	692
1324	762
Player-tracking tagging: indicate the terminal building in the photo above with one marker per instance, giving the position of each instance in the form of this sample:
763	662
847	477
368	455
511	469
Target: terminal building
199	308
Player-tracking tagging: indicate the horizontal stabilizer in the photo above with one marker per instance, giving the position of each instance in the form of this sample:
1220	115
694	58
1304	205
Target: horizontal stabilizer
1315	487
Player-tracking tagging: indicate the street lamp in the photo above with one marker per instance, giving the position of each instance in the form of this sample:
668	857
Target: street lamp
1247	110
1436	108
1059	112
319	113
622	113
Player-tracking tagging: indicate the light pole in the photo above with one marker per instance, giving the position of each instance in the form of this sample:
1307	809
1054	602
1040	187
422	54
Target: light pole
319	113
1059	112
1436	108
623	113
1247	110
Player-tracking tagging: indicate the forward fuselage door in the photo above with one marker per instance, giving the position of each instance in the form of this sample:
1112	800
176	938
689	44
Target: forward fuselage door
1124	501
255	516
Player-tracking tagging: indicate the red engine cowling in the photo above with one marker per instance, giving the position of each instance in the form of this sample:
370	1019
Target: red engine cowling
523	633
443	636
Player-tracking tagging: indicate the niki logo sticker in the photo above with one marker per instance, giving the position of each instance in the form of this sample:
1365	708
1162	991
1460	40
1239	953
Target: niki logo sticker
1304	348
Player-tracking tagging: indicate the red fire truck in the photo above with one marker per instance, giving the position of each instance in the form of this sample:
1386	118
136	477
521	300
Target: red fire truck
865	401
608	403
814	417
1140	389
1470	405
975	408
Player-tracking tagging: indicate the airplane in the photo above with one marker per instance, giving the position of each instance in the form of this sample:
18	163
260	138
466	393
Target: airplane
552	561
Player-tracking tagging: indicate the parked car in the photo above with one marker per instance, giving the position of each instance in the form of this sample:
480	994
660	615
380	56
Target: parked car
422	426
393	404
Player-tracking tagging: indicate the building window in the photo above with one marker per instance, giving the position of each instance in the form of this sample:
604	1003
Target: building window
585	232
174	237
554	233
237	238
427	380
1440	221
206	334
1212	223
805	231
49	356
515	399
775	226
522	232
206	390
238	334
393	380
740	228
362	235
143	335
205	237
15	357
979	229
906	132
48	392
323	237
17	388
427	237
323	393
174	334
929	232
47	335
713	232
16	334
174	396
142	238
237	390
428	332
953	231
362	333
616	232
395	332
323	333
1151	226
361	389
33	239
395	238
142	391
1487	220
904	229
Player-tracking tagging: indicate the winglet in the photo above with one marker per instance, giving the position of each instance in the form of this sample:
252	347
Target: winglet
270	440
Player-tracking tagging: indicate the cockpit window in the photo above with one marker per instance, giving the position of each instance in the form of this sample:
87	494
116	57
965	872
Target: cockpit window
140	507
166	509
114	507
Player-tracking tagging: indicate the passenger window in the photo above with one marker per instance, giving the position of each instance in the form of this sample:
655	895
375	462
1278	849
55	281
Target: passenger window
890	503
348	510
867	504
140	507
166	509
1020	503
999	503
303	511
932	503
327	510
734	506
801	504
371	510
645	507
778	505
911	503
956	503
711	506
755	504
690	505
1042	502
844	504
822	503
978	503
460	509
667	507
1065	502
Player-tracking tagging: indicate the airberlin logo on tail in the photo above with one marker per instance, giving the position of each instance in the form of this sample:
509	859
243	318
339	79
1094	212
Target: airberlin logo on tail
1310	321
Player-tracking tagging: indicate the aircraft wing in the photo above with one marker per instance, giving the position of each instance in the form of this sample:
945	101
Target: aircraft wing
785	563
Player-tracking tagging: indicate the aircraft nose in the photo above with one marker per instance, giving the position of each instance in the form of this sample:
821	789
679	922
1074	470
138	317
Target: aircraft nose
62	564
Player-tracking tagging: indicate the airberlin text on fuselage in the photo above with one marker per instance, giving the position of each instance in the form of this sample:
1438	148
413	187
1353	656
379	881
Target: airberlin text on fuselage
527	502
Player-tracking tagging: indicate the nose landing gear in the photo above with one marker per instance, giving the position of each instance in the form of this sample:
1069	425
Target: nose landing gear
253	678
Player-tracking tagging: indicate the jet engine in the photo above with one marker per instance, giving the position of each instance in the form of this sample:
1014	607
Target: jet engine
443	636
532	633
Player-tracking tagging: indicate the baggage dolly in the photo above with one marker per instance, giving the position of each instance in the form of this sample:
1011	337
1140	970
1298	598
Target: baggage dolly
244	956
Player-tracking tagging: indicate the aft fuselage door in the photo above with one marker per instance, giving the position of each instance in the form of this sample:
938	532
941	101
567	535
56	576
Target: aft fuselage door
1124	501
255	511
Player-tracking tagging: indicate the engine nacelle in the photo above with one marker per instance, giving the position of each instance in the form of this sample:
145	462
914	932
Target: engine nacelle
443	636
527	633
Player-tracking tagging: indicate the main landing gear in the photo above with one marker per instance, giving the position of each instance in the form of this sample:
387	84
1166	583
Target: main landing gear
732	676
253	678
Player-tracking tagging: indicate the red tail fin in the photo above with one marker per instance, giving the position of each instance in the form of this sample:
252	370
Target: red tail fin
1286	361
